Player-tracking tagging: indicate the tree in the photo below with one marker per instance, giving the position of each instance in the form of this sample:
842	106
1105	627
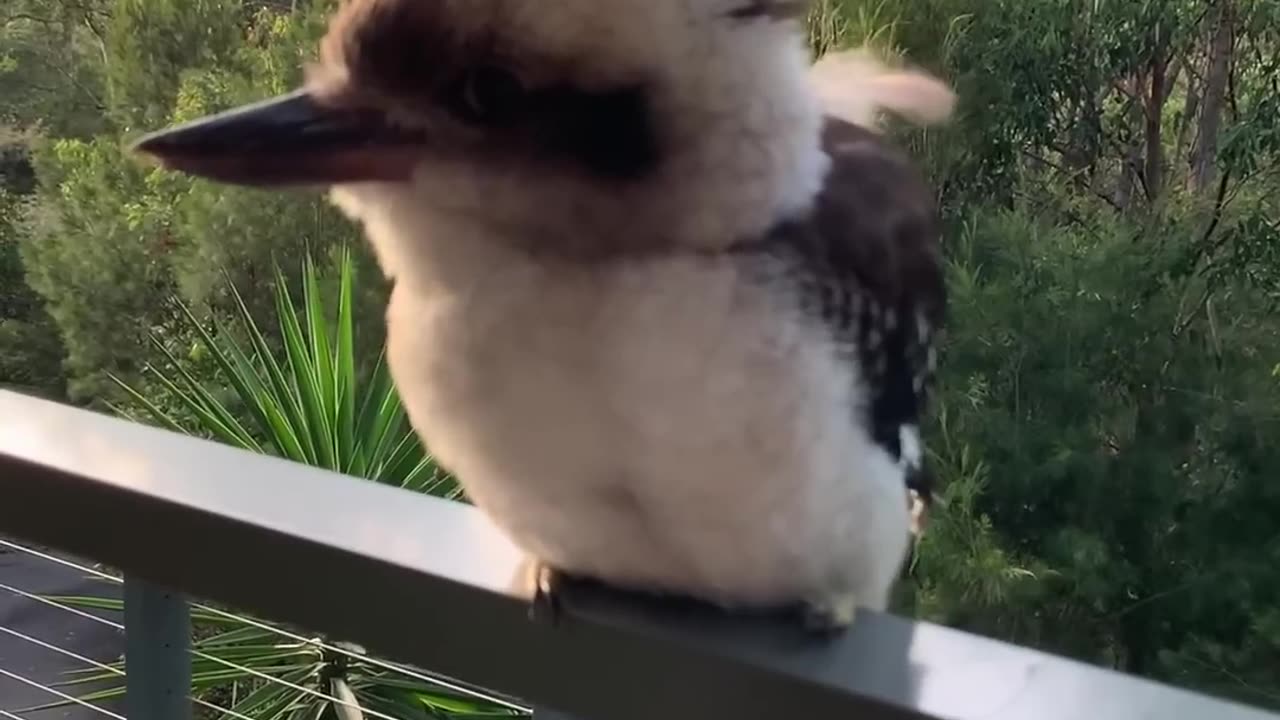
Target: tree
51	65
1212	98
30	347
113	238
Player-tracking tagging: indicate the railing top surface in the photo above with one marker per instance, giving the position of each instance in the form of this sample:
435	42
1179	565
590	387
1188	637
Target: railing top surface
432	583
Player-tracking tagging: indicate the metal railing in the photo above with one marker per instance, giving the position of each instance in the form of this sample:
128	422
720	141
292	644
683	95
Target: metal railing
419	580
52	625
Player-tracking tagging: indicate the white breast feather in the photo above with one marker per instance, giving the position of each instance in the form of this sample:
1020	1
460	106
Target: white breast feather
664	424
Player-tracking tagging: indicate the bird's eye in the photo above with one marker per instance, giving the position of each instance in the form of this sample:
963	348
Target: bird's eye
489	95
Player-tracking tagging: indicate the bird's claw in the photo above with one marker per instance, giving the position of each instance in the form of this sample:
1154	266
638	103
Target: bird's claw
918	507
830	616
547	582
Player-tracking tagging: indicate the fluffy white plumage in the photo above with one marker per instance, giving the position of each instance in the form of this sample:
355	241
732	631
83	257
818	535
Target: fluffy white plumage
653	416
655	423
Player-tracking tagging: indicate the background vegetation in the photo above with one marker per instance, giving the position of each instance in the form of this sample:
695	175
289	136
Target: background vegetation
1111	393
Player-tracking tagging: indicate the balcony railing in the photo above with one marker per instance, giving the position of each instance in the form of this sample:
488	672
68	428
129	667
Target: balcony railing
430	583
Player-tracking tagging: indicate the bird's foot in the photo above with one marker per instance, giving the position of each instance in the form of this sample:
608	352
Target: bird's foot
547	583
918	507
832	615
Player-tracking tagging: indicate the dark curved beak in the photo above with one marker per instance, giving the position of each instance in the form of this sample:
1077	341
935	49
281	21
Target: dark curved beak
287	140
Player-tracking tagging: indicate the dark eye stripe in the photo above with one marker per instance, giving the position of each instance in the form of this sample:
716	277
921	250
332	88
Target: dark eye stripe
405	50
609	133
487	95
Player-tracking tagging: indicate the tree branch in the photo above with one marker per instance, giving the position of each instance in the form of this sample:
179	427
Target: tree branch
1073	176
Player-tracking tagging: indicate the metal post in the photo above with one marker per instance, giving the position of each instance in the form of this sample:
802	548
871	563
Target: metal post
157	626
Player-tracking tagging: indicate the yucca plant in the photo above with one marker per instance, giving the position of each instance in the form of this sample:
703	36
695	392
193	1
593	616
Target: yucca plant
305	402
309	405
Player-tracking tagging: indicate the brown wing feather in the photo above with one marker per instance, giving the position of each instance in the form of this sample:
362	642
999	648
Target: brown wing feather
867	261
878	221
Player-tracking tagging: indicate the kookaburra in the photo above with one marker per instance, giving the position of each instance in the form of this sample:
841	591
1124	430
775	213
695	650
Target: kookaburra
664	299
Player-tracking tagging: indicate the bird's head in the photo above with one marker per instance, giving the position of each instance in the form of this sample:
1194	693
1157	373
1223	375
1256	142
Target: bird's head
578	126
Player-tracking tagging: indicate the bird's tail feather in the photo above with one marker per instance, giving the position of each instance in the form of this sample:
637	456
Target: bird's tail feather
856	86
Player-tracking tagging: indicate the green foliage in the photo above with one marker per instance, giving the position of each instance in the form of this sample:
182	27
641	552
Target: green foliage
95	266
51	65
1112	449
17	176
113	238
30	347
309	404
151	43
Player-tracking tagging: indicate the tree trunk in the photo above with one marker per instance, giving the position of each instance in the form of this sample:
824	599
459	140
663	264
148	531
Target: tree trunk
1129	179
1205	156
1186	118
1154	134
1081	152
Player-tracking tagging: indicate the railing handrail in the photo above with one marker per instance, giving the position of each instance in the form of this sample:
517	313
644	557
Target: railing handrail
430	582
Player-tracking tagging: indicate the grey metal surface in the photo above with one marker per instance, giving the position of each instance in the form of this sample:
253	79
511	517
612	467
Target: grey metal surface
157	625
56	627
432	583
545	714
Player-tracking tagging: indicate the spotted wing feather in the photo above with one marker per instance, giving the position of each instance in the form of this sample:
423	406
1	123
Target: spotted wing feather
867	262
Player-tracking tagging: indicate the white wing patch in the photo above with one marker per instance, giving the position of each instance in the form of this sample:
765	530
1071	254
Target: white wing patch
912	452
